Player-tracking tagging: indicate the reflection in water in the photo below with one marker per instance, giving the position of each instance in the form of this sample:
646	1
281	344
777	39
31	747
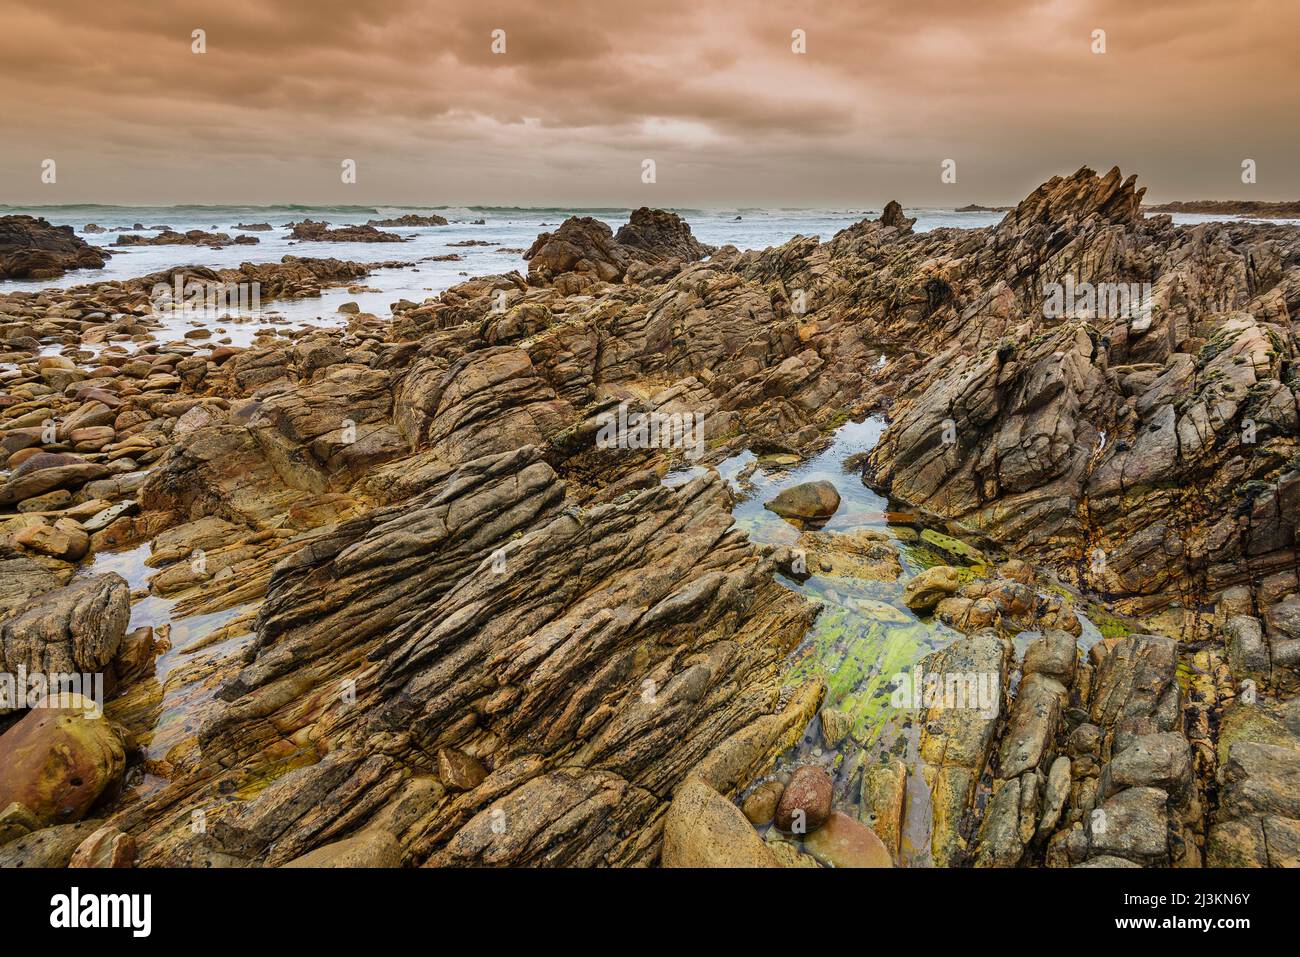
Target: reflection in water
865	635
165	711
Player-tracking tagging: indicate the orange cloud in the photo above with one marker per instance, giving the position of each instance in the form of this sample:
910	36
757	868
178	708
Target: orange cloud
585	90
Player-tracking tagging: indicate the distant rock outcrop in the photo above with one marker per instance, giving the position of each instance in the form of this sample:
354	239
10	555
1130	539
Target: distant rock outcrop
654	235
893	216
194	237
652	245
31	248
582	244
310	231
410	219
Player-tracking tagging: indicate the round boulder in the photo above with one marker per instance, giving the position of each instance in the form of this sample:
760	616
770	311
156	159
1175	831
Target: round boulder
806	802
807	501
59	761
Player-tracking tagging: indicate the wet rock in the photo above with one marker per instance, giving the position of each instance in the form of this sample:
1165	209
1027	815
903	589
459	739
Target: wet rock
16	820
843	842
1248	653
928	587
21	579
1055	794
1135	690
760	807
704	829
409	220
47	471
1132	825
884	797
64	540
807	501
31	248
58	762
835	726
862	553
956	743
806	801
309	231
48	847
1106	860
787	854
1055	655
458	771
1035	718
1152	760
1008	822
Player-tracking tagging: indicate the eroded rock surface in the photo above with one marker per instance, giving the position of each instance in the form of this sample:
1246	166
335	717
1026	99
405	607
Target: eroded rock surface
454	629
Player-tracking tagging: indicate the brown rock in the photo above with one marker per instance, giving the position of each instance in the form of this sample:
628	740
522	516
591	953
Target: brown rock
106	847
58	762
843	842
806	802
64	540
760	806
458	771
808	500
704	829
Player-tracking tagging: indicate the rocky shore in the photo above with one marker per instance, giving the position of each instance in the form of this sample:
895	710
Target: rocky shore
386	594
1232	207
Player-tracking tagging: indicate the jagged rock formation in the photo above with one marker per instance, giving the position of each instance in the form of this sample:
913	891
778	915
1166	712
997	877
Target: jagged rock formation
656	235
651	246
31	248
1151	449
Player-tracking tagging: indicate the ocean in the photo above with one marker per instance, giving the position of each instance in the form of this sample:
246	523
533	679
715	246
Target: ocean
506	231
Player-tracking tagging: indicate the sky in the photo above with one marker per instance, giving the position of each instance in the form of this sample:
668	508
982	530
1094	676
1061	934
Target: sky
585	92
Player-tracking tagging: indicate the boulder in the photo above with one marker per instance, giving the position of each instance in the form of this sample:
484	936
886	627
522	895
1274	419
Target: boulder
64	540
806	801
58	762
760	806
73	629
106	847
928	587
843	842
807	501
372	847
704	829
